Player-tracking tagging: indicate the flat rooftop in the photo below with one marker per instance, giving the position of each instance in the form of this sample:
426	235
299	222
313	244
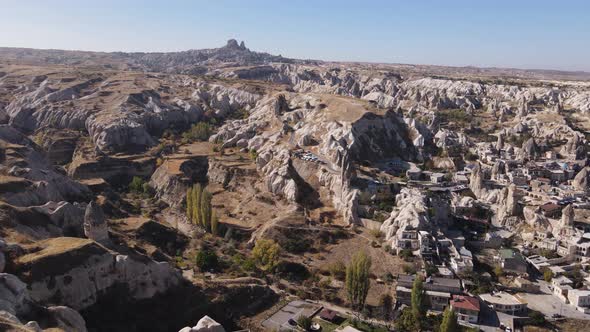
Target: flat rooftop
501	298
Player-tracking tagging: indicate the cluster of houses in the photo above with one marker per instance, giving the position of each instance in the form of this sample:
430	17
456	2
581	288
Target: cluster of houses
546	194
441	293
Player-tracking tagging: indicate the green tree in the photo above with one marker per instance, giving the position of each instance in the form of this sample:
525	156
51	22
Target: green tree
547	275
197	193
536	318
498	271
449	322
147	189
386	303
189	203
199	209
304	322
136	185
266	253
406	321
214	223
357	280
205	207
417	299
198	132
206	260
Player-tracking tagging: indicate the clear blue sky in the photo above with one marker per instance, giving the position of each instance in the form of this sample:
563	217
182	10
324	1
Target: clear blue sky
517	33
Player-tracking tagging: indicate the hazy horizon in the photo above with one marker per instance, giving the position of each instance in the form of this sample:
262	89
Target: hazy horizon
536	35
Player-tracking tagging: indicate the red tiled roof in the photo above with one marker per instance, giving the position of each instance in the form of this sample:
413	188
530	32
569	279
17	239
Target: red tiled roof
465	302
550	207
328	314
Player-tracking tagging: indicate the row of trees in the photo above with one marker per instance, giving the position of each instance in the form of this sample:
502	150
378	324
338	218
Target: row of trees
199	210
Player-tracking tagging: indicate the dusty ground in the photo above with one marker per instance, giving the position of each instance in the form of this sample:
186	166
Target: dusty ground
569	325
382	262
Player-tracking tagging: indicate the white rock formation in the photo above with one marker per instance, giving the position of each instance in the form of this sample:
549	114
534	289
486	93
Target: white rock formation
410	212
507	206
567	216
95	223
581	181
205	324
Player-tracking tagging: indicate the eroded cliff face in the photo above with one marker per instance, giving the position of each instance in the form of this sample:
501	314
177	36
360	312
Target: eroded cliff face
120	113
171	180
16	301
76	272
334	133
388	89
28	178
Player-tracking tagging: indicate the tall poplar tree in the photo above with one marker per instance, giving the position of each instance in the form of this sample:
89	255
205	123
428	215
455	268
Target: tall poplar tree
357	280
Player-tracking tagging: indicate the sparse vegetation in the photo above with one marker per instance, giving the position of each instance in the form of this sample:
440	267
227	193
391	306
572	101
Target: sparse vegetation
337	270
198	132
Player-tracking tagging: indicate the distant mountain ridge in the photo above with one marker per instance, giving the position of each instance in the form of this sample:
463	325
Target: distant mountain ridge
234	54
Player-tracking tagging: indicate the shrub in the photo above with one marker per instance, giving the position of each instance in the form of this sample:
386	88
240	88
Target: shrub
297	245
409	269
431	269
207	260
547	275
337	270
292	271
376	233
136	185
406	254
266	253
147	189
536	318
471	156
198	132
253	154
249	265
498	271
304	322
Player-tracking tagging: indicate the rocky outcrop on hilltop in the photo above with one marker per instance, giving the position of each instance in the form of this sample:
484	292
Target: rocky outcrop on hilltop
133	123
198	61
120	114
